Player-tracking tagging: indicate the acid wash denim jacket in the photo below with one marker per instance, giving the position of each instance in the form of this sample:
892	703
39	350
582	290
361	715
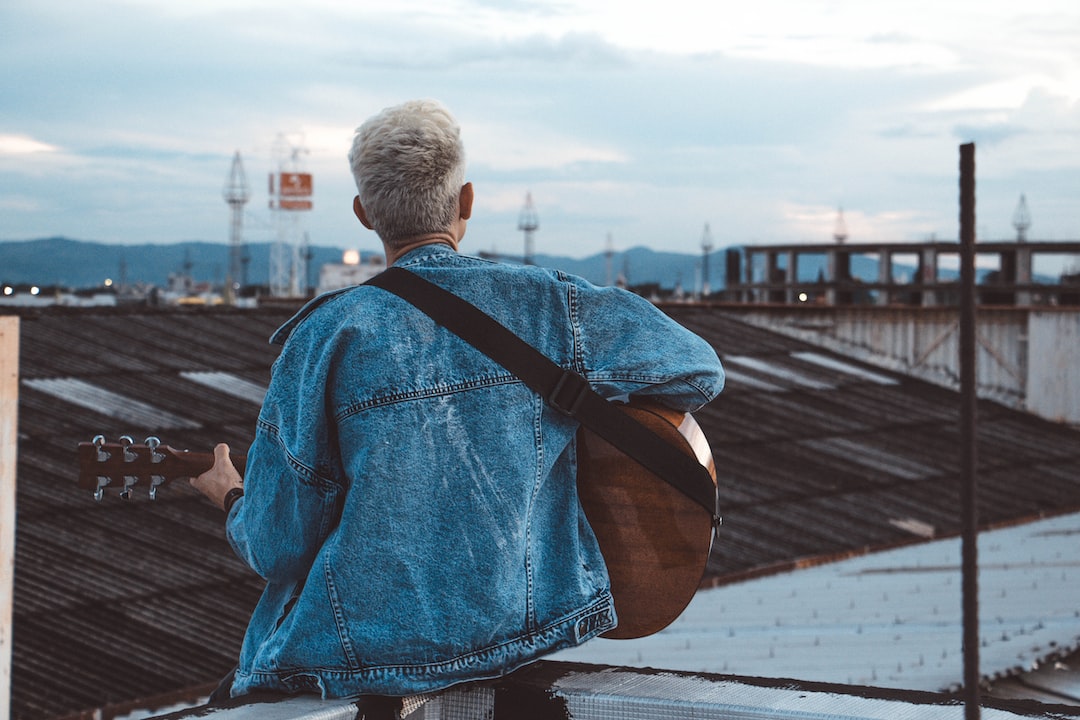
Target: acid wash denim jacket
412	505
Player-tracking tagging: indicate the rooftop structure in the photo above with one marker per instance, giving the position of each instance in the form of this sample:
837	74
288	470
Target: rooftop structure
913	274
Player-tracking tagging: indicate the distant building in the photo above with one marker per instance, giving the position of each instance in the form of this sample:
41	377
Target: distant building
351	271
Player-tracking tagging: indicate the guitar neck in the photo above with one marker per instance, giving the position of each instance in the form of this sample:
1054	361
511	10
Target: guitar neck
186	463
126	465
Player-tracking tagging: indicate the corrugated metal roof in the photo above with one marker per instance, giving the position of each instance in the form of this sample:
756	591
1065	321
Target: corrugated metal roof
891	619
125	600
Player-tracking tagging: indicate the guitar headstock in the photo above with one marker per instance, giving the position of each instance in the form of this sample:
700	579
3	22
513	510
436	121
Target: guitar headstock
125	465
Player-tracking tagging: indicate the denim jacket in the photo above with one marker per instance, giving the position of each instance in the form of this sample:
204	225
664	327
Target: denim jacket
412	505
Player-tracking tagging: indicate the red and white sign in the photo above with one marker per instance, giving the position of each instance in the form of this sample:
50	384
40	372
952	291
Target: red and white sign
290	191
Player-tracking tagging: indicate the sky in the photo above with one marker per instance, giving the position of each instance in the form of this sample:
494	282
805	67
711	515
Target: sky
629	123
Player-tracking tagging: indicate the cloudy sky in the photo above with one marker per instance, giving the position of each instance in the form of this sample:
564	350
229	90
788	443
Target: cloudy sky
638	121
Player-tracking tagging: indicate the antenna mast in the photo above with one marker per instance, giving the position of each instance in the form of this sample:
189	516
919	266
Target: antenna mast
528	222
840	232
236	194
609	259
1021	220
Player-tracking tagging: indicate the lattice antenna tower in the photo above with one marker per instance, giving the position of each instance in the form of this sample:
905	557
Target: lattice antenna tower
528	223
840	234
706	248
1021	220
236	193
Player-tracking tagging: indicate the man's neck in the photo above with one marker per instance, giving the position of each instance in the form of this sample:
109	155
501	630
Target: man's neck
398	250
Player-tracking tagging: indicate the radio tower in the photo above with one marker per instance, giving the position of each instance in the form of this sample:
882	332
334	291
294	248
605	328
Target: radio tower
706	248
1022	220
236	194
528	222
609	260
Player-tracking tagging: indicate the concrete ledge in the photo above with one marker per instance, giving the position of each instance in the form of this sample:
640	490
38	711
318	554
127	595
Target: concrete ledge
569	691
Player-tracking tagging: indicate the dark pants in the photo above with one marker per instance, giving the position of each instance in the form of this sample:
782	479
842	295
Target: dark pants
368	707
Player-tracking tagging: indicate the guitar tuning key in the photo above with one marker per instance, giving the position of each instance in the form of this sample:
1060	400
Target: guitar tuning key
130	481
99	492
156	481
99	443
153	443
127	441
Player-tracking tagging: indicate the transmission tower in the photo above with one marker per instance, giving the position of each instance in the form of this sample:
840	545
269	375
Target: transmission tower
840	231
706	248
1021	220
236	194
528	222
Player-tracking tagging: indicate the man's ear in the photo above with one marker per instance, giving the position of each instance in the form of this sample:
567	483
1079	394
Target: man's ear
465	201
361	215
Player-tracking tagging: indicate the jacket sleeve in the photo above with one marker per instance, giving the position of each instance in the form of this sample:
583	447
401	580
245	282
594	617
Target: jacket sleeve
292	489
630	347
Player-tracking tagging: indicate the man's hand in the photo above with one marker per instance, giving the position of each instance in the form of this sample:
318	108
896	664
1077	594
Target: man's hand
219	479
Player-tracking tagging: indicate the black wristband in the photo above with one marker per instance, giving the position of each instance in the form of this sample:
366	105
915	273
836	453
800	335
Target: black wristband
231	497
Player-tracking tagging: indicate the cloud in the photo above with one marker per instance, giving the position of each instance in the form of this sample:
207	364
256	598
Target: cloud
23	145
633	118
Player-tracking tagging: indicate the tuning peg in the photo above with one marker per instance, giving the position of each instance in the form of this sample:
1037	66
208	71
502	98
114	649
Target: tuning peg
100	491
153	443
155	482
127	441
99	443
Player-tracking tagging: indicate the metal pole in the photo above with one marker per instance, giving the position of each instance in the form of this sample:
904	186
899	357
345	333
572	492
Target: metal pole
968	421
9	413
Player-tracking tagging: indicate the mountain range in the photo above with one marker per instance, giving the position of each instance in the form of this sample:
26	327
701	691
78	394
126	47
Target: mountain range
77	264
80	264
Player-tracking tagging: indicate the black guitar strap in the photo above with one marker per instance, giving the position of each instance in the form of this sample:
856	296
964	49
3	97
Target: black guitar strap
565	390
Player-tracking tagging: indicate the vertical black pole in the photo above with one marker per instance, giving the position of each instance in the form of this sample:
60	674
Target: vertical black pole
968	419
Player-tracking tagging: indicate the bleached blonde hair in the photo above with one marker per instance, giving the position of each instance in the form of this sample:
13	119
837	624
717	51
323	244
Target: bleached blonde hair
409	166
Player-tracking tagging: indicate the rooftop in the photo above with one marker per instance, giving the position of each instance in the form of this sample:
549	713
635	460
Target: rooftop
121	603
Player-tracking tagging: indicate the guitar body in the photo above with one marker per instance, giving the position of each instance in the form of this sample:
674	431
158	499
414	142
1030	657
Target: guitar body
655	540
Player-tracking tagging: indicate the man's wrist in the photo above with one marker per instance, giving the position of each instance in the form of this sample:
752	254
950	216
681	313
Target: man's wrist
231	497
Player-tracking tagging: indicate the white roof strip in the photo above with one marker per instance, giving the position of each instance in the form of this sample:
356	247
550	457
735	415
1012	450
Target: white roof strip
840	366
229	384
106	402
784	373
736	379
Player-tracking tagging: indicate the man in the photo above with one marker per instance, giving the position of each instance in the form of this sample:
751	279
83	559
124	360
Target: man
411	504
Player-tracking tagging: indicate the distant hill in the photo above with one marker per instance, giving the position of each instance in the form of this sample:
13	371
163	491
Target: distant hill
82	264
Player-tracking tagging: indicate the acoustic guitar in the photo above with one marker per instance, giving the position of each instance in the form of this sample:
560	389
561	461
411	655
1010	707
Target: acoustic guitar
655	540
